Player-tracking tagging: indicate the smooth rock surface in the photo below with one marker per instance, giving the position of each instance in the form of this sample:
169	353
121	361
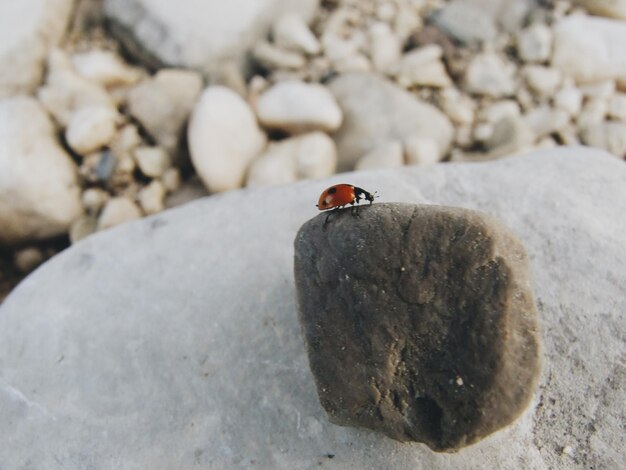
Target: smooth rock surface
294	106
487	74
91	128
420	321
224	138
609	135
311	155
291	32
423	67
176	336
377	111
105	67
163	103
39	192
200	34
66	92
611	8
598	40
118	210
28	30
388	155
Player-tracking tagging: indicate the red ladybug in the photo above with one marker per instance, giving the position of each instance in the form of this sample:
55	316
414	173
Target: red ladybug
341	195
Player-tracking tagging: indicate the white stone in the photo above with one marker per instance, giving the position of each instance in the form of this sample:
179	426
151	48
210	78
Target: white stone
317	156
83	227
569	99
423	67
28	29
126	140
483	132
617	107
171	179
291	32
545	120
611	8
544	81
466	22
511	136
167	333
594	111
534	44
389	155
488	74
385	11
311	155
294	106
66	92
163	103
385	48
272	57
354	63
602	90
27	259
590	49
569	136
463	136
406	21
272	168
94	199
118	210
421	151
39	193
499	110
105	67
609	135
152	161
152	197
377	111
224	138
459	107
200	34
91	128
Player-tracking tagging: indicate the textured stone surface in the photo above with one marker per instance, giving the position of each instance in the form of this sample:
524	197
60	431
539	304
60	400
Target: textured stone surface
173	341
201	34
420	321
28	29
163	104
39	192
377	111
224	138
598	40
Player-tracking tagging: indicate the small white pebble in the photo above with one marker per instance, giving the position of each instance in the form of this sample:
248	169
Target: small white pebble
94	199
171	179
28	259
459	381
152	197
152	161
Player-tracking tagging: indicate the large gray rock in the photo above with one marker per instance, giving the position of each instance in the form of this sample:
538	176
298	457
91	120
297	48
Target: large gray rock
28	30
420	321
173	342
201	34
377	111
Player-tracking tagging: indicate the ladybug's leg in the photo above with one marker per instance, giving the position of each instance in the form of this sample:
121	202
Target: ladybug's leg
331	212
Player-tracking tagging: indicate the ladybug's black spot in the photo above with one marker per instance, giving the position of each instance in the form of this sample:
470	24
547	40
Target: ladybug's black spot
332	190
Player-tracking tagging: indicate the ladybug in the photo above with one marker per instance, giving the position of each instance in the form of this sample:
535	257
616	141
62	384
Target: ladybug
341	195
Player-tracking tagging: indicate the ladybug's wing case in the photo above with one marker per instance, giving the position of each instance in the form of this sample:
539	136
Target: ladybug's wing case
344	195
